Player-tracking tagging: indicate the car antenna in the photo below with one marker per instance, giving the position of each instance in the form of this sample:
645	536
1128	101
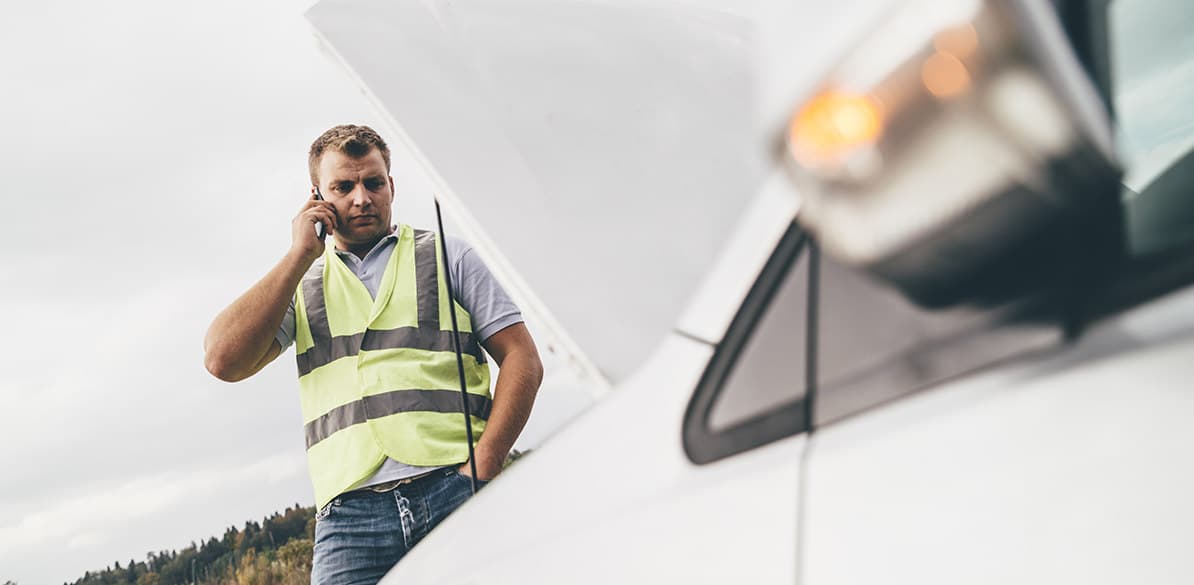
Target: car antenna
468	417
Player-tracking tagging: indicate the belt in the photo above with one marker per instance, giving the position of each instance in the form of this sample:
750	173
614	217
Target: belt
389	486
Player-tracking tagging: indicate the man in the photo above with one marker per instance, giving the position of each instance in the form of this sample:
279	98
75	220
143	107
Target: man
378	379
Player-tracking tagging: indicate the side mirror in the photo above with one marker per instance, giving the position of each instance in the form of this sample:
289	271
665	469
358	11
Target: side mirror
961	154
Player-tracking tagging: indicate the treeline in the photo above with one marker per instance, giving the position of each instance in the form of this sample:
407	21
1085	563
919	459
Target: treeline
275	551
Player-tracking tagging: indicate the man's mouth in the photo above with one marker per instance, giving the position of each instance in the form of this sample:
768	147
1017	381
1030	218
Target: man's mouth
362	219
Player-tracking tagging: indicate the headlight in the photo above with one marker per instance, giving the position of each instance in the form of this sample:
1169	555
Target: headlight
950	136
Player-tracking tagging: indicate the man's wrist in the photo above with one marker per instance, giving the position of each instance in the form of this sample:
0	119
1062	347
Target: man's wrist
301	257
488	466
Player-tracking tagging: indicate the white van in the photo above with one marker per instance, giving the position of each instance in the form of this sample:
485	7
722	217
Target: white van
876	301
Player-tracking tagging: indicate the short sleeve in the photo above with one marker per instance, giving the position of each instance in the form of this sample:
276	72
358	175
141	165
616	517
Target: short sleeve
490	308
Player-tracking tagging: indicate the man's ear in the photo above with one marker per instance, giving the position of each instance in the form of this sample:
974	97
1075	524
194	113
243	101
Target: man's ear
392	192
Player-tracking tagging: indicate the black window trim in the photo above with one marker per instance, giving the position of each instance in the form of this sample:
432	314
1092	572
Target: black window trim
702	444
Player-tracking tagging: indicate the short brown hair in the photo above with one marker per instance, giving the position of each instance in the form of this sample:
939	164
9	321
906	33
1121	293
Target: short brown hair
355	141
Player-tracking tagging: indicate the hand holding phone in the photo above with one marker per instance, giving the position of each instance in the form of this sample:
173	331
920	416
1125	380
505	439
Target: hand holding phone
320	229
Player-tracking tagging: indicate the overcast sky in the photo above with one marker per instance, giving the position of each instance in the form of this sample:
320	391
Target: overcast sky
153	156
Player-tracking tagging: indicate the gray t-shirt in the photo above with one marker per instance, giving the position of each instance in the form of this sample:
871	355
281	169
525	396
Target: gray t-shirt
474	287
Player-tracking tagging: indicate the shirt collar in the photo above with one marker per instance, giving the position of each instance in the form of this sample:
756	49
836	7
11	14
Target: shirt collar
390	237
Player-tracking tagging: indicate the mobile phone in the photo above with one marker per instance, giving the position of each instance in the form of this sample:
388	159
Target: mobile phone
320	229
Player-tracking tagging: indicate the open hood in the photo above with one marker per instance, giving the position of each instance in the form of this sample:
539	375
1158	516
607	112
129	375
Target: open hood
606	148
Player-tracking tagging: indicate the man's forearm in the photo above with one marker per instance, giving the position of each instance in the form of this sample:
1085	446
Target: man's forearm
513	396
241	336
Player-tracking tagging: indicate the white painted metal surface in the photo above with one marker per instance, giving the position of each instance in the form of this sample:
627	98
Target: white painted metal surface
1073	468
613	499
608	145
619	153
571	364
717	299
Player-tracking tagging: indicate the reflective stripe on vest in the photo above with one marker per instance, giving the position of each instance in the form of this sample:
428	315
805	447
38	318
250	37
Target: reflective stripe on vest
378	377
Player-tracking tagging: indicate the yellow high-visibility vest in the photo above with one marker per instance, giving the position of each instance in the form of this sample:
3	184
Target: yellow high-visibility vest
378	377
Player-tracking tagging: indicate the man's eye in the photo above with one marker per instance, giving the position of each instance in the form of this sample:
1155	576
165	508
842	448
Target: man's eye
343	187
373	185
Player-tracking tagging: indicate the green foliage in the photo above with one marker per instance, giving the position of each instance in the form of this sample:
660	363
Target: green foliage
275	551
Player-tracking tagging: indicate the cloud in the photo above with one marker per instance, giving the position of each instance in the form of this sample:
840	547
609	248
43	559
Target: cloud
130	386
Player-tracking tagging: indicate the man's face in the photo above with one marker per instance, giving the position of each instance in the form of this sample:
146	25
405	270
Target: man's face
362	193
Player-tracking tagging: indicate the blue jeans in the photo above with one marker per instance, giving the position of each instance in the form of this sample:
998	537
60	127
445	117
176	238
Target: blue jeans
361	534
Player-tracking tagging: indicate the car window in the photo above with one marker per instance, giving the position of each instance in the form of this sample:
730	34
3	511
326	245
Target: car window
1152	78
769	370
752	392
875	345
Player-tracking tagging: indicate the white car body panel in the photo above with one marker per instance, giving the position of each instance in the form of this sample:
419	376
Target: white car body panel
1071	468
717	300
1074	466
579	132
627	506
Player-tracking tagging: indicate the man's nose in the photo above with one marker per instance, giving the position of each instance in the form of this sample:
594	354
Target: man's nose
359	196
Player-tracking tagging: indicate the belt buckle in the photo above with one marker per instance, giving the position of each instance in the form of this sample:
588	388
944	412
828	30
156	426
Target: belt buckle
382	488
389	486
